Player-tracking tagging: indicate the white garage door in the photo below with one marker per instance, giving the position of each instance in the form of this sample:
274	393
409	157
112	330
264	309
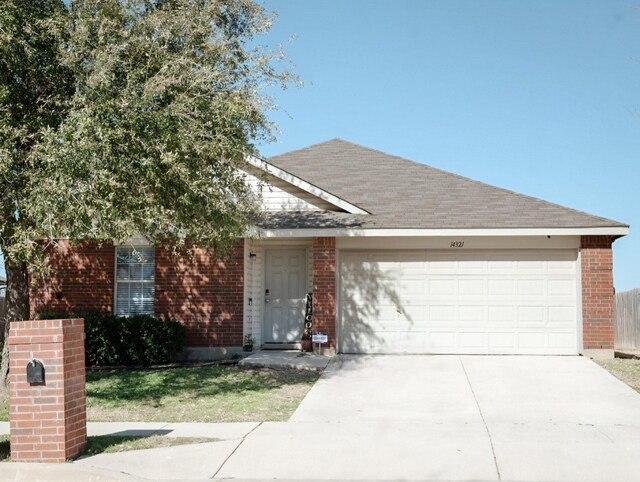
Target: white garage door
502	302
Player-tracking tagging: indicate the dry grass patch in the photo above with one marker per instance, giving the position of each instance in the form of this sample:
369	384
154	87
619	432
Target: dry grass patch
194	394
115	443
199	394
624	369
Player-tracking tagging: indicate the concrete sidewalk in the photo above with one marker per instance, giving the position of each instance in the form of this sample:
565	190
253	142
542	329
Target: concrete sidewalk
439	418
183	462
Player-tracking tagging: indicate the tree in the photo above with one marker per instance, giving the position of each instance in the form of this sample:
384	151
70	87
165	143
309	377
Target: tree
121	117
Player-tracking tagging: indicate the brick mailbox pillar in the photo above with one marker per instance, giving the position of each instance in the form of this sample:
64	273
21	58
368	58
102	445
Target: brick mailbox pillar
47	419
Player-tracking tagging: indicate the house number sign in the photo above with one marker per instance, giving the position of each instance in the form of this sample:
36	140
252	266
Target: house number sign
457	244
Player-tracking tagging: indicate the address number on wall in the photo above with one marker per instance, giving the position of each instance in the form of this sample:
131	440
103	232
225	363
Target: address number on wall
457	244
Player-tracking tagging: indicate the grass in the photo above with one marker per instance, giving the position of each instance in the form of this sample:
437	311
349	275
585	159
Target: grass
193	394
624	369
114	443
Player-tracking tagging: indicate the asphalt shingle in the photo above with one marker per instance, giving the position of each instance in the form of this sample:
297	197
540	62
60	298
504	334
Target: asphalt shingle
399	193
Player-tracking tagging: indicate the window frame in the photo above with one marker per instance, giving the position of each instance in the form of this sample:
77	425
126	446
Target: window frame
115	278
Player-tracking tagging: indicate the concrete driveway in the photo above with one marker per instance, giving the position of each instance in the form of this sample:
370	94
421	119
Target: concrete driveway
482	418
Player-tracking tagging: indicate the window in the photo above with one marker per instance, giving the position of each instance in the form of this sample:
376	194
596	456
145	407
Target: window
135	280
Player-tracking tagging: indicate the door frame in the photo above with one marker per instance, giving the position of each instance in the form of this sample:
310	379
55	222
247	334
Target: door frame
285	248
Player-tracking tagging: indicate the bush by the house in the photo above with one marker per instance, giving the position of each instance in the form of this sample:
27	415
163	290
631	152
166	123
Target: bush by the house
133	340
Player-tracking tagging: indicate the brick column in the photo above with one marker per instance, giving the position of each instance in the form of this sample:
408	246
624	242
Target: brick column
598	304
47	420
324	289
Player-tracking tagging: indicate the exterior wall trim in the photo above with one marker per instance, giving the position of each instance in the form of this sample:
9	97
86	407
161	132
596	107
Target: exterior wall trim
353	232
304	185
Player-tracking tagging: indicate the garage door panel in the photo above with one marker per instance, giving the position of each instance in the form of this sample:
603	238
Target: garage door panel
442	340
413	287
562	287
442	287
501	314
531	315
501	287
561	341
531	287
473	340
562	315
451	302
471	313
471	287
471	266
414	313
501	340
443	313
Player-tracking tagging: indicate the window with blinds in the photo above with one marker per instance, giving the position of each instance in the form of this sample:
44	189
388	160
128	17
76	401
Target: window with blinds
135	280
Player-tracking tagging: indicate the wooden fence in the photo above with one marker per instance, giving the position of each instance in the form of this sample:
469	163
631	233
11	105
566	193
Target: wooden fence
628	320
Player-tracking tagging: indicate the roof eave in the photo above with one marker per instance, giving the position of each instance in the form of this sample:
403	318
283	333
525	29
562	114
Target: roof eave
614	231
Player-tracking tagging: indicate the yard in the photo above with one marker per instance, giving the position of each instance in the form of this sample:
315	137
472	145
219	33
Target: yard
627	370
225	393
117	443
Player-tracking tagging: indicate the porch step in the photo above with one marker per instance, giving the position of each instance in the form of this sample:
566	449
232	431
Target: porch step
281	346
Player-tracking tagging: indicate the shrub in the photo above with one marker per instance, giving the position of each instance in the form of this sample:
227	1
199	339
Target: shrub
132	340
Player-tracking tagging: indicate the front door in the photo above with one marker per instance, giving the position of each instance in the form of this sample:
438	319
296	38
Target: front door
285	289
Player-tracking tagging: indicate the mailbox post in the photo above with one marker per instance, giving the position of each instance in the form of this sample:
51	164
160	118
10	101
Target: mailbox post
47	408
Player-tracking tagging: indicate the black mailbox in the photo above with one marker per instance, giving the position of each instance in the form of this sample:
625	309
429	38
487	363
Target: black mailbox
35	372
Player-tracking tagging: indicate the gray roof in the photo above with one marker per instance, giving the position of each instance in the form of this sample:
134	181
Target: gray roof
399	193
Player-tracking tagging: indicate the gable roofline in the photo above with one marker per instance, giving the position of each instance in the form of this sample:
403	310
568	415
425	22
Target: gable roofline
304	185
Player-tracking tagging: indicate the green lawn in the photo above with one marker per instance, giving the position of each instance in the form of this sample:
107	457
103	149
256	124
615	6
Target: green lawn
193	394
626	370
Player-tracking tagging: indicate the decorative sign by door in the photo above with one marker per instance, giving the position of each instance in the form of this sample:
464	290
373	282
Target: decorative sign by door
320	338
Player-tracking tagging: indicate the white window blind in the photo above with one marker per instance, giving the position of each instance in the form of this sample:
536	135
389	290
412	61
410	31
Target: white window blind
135	280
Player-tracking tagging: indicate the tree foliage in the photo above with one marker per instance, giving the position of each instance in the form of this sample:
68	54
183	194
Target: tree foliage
125	117
147	110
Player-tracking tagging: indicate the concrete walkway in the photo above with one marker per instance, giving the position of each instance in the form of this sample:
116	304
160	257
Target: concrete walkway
438	418
443	418
183	462
286	359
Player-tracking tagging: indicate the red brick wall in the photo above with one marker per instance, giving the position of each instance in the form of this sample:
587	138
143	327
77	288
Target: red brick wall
324	287
597	292
47	421
82	280
204	293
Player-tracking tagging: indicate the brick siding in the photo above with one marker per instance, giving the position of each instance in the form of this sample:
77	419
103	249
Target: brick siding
204	293
597	292
82	280
324	287
47	421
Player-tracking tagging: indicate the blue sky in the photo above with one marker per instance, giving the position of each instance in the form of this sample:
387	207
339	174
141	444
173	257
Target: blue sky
541	97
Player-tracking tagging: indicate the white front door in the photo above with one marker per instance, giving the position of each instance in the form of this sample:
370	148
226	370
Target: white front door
482	302
284	297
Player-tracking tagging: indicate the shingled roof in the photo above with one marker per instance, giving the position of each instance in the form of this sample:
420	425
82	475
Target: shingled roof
399	193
